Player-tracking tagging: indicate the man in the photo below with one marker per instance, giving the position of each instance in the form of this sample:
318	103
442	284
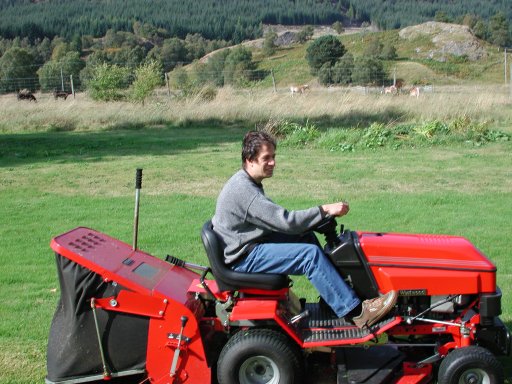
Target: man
261	236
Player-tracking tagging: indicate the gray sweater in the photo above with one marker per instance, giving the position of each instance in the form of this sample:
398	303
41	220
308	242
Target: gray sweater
244	215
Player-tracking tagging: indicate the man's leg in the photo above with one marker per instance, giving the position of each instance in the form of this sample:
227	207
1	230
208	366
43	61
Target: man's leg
302	259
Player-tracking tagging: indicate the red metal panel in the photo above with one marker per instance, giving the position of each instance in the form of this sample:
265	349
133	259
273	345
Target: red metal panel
254	310
434	281
435	263
117	261
192	366
134	303
414	374
448	252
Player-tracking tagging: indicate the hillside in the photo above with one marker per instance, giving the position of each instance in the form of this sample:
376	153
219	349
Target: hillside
428	53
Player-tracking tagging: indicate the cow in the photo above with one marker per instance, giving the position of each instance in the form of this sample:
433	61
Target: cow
25	94
299	89
57	94
391	90
415	92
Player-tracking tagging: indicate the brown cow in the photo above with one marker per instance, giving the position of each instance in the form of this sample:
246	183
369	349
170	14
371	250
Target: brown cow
298	89
391	89
414	91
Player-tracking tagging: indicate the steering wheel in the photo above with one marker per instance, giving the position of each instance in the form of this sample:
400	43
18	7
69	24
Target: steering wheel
327	224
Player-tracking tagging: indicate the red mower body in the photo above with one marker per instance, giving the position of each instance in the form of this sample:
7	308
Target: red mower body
151	289
433	264
124	312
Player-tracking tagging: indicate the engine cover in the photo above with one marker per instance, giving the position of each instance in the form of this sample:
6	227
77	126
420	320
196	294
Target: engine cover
427	264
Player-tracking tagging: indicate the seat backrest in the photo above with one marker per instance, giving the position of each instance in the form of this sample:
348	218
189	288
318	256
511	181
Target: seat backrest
229	280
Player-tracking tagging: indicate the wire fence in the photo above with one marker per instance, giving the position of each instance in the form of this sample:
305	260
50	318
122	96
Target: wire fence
274	80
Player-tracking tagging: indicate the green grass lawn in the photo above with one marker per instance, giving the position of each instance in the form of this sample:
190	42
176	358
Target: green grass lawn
55	181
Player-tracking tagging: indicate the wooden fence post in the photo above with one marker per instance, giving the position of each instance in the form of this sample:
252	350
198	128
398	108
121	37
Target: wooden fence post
72	85
167	84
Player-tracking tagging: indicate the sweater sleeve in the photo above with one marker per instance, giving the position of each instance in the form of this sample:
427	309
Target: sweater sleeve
264	213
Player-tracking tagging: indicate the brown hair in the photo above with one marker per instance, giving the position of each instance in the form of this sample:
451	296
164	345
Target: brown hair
252	143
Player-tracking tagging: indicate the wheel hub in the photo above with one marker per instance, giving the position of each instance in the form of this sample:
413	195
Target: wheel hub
475	376
259	370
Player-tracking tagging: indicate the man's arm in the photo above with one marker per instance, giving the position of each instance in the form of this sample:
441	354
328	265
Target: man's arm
336	209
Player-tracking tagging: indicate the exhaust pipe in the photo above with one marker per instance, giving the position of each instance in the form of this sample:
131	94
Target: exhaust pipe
138	187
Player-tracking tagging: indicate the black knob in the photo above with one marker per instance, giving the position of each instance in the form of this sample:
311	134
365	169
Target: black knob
138	179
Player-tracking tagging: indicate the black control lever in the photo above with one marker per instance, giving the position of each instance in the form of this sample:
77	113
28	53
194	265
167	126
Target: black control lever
328	228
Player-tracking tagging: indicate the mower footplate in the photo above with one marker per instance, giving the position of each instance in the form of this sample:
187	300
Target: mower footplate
322	326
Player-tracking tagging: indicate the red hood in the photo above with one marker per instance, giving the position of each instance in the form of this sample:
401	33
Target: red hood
435	264
434	251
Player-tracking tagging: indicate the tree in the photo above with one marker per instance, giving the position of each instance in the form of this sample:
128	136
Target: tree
17	70
388	52
470	20
305	34
442	17
173	52
338	27
269	43
196	46
44	50
499	30
325	49
215	67
238	66
342	70
53	72
325	74
368	71
374	47
107	82
180	79
147	77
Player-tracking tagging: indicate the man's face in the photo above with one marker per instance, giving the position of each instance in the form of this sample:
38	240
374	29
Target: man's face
263	166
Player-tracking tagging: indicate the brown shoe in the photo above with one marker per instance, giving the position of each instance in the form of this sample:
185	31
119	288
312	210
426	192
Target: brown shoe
374	309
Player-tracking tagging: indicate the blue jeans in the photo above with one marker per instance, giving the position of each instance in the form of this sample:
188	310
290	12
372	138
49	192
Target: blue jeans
290	255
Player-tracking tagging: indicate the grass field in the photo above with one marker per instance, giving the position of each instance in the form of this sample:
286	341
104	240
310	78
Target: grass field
67	165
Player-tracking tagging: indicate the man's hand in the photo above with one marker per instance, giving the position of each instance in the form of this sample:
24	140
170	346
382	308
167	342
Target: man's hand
336	209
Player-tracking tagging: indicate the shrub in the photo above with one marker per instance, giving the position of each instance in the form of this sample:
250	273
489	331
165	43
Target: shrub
325	49
291	133
376	135
147	77
108	81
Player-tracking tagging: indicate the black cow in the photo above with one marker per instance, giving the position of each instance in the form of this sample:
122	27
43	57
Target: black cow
57	94
26	95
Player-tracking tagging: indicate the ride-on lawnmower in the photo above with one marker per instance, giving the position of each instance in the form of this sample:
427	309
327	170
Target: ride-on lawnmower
123	312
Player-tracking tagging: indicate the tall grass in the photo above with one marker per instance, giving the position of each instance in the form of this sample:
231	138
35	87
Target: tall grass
333	107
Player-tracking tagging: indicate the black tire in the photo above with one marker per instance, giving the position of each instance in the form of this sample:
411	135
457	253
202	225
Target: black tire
260	356
470	365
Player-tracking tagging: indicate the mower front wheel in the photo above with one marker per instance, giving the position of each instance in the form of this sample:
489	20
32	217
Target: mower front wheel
260	356
470	365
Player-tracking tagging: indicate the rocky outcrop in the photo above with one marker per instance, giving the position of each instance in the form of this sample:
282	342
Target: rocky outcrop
448	39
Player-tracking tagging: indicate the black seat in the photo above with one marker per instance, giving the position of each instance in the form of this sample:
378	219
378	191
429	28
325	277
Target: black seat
229	280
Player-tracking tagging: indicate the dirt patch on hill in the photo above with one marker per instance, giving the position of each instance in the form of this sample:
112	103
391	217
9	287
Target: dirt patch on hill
447	39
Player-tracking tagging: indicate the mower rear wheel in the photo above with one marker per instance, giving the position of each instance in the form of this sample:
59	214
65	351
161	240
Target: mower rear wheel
470	365
260	356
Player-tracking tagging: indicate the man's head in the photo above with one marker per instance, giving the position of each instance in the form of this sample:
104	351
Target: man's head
258	155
